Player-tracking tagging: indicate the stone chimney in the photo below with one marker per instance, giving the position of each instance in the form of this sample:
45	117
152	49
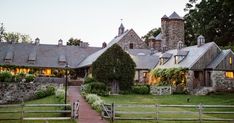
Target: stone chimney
104	44
200	40
60	42
164	48
37	41
84	44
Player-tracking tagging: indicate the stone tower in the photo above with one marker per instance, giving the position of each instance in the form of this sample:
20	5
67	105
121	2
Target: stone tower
172	29
121	29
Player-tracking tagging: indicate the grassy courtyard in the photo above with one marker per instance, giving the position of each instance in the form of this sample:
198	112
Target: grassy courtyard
47	100
218	99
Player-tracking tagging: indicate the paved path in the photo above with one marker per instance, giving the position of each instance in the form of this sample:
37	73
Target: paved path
86	113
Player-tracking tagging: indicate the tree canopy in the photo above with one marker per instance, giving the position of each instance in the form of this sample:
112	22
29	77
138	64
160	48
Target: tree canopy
153	32
74	41
213	19
115	65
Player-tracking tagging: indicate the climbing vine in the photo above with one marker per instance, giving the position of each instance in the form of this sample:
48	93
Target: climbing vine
168	76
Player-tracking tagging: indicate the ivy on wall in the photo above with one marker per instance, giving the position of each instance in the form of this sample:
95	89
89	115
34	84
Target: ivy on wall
168	76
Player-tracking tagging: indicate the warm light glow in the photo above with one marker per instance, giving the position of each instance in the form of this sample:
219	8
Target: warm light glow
230	60
47	72
229	75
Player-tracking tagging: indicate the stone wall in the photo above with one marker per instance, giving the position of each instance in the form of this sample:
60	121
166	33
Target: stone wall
220	83
189	80
16	92
160	90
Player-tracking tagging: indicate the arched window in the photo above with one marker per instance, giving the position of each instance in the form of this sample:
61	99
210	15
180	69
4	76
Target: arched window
230	60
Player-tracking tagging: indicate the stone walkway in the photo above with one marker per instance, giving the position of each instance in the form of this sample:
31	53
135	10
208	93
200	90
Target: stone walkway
86	113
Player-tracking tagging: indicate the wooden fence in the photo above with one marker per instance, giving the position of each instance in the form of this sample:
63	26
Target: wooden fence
110	111
20	109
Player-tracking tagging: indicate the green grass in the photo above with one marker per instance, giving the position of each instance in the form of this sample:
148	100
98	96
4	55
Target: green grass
47	100
220	99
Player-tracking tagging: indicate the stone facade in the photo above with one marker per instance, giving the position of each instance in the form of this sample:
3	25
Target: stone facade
189	80
16	92
132	39
220	83
172	32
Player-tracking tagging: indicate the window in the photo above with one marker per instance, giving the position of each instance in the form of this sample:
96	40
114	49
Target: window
230	60
131	46
161	61
229	75
145	74
178	59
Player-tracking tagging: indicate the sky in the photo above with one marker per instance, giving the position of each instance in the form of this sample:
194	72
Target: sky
92	21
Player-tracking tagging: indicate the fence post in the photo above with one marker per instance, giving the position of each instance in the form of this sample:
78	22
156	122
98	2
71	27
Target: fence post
112	112
200	108
22	112
73	110
157	112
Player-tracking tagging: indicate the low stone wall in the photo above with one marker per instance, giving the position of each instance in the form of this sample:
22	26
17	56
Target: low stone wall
160	90
220	83
16	92
50	80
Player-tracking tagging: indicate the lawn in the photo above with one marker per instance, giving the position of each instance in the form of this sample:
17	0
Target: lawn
47	100
219	99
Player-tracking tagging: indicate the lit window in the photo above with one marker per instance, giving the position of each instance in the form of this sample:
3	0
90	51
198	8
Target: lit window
230	60
229	75
145	74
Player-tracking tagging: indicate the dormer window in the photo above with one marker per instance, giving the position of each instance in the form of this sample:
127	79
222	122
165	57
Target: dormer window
62	60
32	58
180	45
200	40
180	55
60	42
230	60
9	57
164	58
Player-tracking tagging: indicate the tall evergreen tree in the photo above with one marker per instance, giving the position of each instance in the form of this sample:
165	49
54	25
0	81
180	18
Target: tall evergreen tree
115	65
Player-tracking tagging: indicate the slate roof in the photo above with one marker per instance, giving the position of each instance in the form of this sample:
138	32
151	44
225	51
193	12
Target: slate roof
90	59
219	59
174	15
44	55
145	62
139	51
193	55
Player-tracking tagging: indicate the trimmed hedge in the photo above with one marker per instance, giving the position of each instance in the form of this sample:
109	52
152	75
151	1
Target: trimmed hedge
140	89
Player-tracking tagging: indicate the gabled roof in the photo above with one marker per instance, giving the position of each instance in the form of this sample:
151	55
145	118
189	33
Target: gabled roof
45	55
219	59
174	15
139	52
90	59
145	62
194	54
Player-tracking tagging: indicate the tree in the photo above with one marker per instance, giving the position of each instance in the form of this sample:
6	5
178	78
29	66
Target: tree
12	37
210	18
74	41
1	31
153	32
115	65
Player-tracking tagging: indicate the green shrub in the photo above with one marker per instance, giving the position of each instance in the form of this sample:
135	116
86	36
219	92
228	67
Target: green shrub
59	93
95	88
44	92
95	101
140	89
29	77
6	76
20	76
85	88
89	80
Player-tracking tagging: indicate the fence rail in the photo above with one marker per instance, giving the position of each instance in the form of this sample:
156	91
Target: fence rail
110	111
20	109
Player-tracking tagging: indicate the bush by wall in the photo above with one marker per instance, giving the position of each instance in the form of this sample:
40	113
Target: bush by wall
140	89
44	92
6	76
59	94
29	77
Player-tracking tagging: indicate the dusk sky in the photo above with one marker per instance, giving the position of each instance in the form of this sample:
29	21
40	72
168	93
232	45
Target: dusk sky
93	21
